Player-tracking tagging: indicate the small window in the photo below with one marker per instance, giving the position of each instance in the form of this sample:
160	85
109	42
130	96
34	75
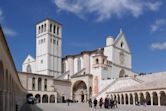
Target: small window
41	61
103	61
121	45
97	61
29	68
45	84
57	30
44	40
33	83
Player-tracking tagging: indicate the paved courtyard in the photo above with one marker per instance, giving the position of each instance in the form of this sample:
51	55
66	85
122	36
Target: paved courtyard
84	107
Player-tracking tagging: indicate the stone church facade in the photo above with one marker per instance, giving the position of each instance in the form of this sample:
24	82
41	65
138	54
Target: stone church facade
106	71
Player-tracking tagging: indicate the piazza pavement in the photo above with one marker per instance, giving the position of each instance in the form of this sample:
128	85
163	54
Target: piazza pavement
84	107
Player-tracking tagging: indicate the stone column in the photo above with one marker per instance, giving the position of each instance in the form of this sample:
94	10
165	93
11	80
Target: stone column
133	99
158	99
128	99
124	97
36	83
120	99
151	99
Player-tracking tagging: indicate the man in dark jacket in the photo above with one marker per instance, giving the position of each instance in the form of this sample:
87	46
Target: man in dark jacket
95	102
101	102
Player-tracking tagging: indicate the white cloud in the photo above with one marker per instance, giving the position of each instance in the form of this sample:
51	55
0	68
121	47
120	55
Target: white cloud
9	32
105	9
158	46
158	24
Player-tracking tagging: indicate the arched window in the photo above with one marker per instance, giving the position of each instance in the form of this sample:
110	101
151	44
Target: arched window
121	45
45	84
50	27
44	27
122	73
33	83
54	29
79	64
97	61
39	84
29	68
39	30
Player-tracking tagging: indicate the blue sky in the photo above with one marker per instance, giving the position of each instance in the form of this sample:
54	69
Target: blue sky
87	23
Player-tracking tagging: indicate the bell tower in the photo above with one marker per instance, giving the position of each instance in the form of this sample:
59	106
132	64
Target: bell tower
48	47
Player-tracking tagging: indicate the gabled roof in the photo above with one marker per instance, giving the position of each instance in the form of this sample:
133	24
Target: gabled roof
28	59
121	38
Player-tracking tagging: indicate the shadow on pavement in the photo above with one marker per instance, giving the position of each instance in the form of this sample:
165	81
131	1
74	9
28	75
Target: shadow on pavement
30	107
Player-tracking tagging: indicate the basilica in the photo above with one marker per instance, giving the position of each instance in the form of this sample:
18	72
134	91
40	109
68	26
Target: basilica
102	72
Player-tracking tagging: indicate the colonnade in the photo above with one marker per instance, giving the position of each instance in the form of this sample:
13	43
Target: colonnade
44	98
142	97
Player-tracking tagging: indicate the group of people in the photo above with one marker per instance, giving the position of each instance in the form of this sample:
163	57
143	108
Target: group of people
107	103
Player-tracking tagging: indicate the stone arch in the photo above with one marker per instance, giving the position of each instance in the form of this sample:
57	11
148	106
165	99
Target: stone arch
29	95
39	84
118	99
131	98
148	98
126	98
136	97
79	91
155	98
122	99
52	99
121	73
45	98
38	98
162	98
142	99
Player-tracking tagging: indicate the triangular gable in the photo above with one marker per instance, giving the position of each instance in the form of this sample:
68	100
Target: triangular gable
28	59
121	39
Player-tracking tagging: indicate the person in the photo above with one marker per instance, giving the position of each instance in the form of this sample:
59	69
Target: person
116	103
90	103
144	102
101	102
106	103
95	103
68	102
111	103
